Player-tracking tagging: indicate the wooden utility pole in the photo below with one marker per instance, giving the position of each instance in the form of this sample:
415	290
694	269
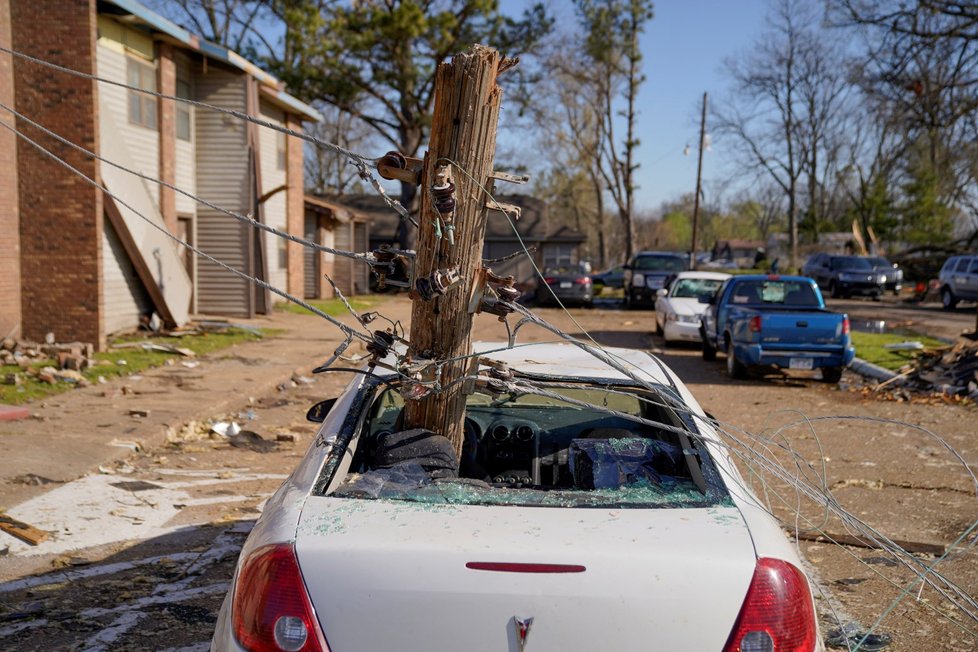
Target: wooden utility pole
699	176
461	151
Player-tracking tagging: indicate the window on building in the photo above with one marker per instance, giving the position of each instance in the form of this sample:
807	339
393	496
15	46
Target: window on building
142	107
280	149
183	110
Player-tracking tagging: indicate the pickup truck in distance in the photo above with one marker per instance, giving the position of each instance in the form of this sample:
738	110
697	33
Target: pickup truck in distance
775	321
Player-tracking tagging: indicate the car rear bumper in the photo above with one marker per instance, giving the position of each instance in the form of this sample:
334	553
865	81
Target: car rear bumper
754	354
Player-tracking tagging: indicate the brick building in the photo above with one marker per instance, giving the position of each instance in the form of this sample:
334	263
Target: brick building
79	263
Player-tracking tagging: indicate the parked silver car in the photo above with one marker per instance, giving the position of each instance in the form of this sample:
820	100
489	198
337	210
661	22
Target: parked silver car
959	280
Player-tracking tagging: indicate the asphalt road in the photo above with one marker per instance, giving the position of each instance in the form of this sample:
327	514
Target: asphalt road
928	318
146	547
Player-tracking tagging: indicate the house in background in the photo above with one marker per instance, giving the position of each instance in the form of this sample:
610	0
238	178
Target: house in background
552	244
742	252
334	225
88	264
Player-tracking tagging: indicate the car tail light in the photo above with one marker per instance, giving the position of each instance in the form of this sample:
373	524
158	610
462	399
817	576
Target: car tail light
584	280
549	280
754	326
271	610
777	615
845	325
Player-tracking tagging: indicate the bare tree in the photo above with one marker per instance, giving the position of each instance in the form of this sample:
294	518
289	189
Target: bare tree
329	173
231	23
763	113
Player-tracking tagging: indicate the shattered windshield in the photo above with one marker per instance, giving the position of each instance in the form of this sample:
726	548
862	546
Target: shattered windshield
574	448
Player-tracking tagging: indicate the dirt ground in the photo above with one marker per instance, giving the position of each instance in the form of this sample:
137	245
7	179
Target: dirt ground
144	547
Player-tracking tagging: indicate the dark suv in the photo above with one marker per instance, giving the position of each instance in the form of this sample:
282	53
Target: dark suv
844	276
648	272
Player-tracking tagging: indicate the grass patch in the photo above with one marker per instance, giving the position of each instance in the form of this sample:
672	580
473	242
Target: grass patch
332	307
871	348
123	362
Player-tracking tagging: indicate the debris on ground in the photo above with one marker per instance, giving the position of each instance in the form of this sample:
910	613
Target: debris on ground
252	441
226	428
953	370
852	636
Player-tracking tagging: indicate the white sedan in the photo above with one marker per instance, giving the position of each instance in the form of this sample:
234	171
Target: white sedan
678	309
594	508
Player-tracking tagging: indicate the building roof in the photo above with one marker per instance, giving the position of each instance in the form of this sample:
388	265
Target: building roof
338	212
533	225
272	88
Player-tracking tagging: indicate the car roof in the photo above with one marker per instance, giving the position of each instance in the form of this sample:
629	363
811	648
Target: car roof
772	277
675	254
570	361
709	276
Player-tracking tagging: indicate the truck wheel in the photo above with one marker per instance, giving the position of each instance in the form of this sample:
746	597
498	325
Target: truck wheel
709	353
735	368
948	300
831	374
833	290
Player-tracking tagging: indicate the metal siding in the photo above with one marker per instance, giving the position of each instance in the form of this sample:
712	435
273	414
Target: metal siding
273	210
222	178
142	143
310	285
124	296
343	267
361	272
186	173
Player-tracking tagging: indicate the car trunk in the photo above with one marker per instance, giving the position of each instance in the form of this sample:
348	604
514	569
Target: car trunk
392	575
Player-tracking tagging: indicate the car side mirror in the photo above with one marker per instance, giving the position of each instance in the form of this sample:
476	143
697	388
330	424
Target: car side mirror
317	413
661	292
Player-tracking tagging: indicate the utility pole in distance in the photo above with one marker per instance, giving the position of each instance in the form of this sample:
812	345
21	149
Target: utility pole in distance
699	175
449	279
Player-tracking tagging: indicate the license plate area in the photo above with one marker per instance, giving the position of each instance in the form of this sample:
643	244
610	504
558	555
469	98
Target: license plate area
800	363
565	285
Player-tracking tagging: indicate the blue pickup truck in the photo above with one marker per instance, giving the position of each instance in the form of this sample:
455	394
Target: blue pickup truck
775	321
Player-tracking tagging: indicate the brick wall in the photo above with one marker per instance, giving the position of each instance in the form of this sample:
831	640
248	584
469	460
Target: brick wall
60	213
294	206
166	110
9	211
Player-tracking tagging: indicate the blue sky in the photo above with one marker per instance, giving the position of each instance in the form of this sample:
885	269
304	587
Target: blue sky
683	48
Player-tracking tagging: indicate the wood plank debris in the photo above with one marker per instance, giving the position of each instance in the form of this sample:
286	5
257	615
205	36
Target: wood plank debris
861	542
23	531
952	370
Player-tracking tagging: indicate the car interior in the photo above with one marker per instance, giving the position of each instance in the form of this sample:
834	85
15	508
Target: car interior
522	444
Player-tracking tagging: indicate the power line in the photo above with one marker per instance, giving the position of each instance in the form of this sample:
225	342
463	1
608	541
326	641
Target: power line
360	161
263	284
365	257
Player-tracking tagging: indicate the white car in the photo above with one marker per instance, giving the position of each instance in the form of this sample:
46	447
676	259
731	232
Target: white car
678	309
595	509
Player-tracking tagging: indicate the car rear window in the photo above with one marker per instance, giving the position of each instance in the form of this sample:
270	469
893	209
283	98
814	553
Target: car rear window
695	288
531	450
794	294
660	263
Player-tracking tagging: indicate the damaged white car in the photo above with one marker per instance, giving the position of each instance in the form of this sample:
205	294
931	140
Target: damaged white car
592	509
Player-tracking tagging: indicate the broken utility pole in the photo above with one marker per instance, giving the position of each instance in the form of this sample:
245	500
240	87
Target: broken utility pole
449	280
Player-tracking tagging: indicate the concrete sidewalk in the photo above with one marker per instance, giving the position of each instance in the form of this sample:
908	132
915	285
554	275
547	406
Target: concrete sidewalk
71	434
